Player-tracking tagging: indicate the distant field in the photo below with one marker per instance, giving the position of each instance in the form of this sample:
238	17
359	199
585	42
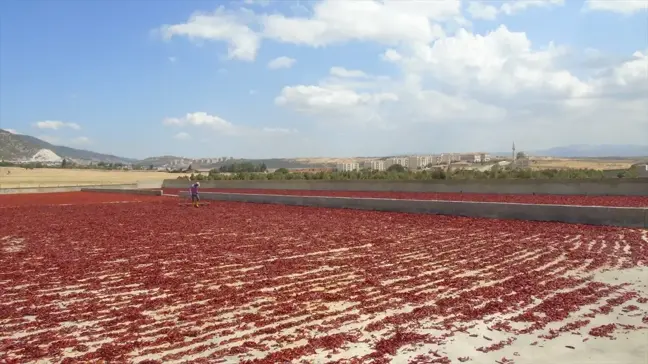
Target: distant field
600	164
49	177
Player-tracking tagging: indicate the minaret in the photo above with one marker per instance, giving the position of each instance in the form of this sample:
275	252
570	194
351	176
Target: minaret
513	157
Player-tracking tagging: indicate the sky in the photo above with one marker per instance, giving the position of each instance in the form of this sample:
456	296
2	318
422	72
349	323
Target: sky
289	78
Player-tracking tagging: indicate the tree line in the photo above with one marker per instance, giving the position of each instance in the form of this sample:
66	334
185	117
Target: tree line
245	167
68	164
398	172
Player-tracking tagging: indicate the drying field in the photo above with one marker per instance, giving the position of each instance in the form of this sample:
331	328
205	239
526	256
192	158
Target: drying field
150	281
14	177
581	200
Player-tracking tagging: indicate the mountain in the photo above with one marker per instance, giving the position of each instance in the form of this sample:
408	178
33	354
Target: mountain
594	151
24	147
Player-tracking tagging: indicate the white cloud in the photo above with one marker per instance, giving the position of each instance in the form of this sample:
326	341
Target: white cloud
55	125
182	136
485	87
202	119
616	6
501	61
257	2
219	125
387	22
338	103
496	85
343	72
12	131
628	79
484	10
512	7
391	55
279	130
391	22
281	62
221	25
480	10
309	97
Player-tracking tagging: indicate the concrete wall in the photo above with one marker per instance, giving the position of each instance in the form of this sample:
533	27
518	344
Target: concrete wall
591	215
618	187
59	189
150	184
124	191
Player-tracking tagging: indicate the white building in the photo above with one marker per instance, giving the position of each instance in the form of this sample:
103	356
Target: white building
448	158
376	165
347	167
403	161
419	162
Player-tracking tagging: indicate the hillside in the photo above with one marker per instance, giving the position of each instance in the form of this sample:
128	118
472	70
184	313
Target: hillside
595	151
13	148
161	160
24	147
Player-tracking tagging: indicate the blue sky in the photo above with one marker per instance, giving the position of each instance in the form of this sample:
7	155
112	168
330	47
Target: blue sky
143	78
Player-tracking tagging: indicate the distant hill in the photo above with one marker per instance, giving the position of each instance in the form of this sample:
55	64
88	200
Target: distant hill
24	147
161	160
594	151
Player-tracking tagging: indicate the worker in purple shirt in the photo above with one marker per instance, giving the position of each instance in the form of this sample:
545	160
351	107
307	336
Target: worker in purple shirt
194	194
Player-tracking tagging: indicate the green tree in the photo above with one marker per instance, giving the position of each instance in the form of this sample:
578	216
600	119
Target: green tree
397	172
396	168
64	163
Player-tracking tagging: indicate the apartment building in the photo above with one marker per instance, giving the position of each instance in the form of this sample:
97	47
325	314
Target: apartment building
448	158
376	165
179	162
403	161
419	162
347	167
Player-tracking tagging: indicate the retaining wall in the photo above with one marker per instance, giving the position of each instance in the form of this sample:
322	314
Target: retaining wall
591	215
124	191
612	187
60	188
150	184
